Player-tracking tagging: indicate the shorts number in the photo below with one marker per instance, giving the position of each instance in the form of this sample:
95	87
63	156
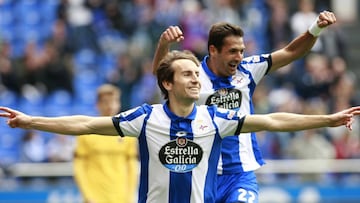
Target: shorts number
242	196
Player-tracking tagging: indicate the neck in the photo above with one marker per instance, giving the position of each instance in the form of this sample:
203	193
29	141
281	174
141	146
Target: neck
181	109
211	65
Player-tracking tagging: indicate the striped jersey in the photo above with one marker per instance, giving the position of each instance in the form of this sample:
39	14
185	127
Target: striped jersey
178	155
239	153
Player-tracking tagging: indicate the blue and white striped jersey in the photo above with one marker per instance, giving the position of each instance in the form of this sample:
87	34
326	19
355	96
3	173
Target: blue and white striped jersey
239	153
178	155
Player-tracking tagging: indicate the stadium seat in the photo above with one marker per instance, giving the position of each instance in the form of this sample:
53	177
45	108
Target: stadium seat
58	103
9	99
6	16
27	12
33	104
85	59
48	10
10	145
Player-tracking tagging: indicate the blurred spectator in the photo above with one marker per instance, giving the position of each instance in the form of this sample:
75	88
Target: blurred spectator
118	13
33	147
317	146
79	18
194	25
166	13
224	10
281	100
145	89
60	148
58	71
125	76
312	144
316	77
279	29
60	38
9	76
302	19
32	72
334	42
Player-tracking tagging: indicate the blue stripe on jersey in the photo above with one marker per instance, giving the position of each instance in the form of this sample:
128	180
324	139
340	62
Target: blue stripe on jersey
183	193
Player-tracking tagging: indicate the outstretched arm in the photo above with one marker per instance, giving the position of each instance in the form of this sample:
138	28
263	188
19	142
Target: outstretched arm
170	35
303	43
68	125
282	122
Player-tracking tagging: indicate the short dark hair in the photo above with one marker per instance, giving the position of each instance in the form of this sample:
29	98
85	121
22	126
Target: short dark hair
165	72
219	31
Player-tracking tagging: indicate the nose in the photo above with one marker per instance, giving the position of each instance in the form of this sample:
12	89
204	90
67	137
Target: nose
195	79
239	55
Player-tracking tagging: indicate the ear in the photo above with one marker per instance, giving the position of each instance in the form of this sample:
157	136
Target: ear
212	50
167	85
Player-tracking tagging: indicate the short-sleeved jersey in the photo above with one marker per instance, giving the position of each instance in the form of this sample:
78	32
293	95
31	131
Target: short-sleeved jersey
178	155
239	153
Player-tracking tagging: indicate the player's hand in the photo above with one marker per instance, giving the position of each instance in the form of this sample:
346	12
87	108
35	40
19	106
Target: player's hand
170	35
325	19
16	119
345	117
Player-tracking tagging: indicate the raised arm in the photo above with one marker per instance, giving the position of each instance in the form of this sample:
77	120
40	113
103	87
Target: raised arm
170	35
282	122
68	125
303	43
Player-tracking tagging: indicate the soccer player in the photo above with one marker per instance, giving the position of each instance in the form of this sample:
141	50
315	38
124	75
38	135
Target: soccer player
106	168
229	80
179	142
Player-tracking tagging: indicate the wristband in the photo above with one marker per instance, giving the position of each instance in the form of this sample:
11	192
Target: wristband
314	29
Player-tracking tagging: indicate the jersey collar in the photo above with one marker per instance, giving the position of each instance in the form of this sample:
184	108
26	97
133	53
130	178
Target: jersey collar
172	116
218	82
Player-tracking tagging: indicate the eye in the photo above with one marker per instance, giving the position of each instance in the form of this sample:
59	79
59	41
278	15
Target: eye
187	73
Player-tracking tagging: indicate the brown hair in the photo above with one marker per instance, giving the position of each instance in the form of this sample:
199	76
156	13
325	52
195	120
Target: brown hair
219	31
165	72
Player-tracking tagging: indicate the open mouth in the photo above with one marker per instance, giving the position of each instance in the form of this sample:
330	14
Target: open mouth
233	65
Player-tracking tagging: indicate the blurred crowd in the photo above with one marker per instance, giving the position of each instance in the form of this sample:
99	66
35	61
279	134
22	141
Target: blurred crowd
54	53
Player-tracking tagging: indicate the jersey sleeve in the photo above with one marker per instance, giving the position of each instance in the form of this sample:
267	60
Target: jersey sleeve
130	123
229	122
257	65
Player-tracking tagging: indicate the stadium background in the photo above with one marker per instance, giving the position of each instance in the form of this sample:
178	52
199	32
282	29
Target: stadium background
54	53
